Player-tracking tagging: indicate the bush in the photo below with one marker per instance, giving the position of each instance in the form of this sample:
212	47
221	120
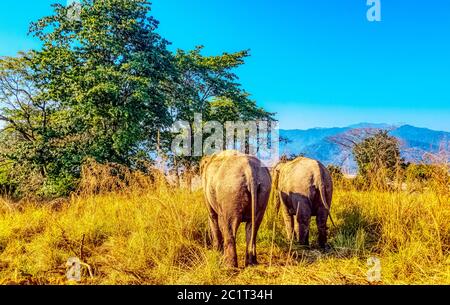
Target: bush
336	172
6	187
419	172
378	159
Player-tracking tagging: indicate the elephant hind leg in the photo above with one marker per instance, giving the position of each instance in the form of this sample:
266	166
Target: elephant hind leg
216	234
321	220
250	257
289	223
229	230
303	221
250	251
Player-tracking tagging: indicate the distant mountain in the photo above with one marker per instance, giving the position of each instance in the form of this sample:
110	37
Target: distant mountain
316	143
371	125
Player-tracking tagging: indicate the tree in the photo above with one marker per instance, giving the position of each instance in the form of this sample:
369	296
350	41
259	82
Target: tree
378	153
205	82
208	86
109	67
28	118
94	89
105	87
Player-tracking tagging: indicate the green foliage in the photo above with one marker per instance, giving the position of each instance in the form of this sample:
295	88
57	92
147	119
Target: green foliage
336	172
419	172
435	176
6	186
378	155
28	137
108	69
105	87
207	85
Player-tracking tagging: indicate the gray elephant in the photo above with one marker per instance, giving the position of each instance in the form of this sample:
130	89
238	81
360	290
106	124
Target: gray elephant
237	189
305	189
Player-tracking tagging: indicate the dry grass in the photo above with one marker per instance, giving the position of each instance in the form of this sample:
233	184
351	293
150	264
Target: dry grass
160	236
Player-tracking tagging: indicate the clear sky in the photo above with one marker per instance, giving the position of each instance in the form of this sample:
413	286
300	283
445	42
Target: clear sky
317	63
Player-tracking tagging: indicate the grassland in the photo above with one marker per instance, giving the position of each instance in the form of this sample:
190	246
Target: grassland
160	236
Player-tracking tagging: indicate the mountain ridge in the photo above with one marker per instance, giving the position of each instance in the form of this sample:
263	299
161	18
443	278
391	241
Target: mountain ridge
316	142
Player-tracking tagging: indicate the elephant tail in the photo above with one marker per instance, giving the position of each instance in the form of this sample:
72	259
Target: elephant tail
327	205
254	196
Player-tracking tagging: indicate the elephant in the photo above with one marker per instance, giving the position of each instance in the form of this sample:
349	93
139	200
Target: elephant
237	189
305	188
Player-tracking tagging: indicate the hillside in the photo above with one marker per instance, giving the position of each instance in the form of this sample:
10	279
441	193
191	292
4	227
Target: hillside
316	143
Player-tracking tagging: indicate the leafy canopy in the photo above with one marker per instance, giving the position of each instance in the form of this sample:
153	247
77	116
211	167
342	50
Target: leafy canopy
105	86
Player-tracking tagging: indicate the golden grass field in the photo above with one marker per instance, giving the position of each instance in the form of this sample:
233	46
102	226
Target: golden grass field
160	236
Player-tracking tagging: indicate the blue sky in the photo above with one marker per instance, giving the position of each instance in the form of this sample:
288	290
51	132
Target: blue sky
314	62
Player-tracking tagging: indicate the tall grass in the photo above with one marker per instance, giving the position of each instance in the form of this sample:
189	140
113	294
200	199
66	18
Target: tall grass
158	234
